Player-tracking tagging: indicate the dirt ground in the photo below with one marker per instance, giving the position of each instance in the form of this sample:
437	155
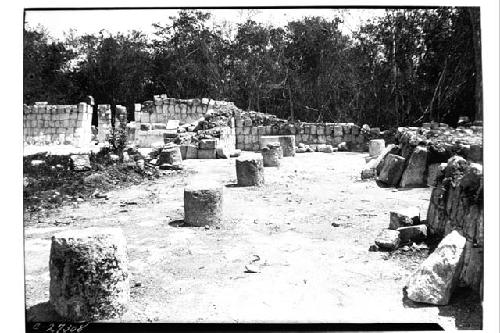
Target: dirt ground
311	225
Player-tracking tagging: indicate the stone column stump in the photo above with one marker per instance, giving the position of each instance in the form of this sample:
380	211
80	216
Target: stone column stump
203	204
89	277
271	155
250	171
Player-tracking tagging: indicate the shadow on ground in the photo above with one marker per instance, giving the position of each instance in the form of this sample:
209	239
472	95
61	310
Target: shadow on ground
42	312
464	307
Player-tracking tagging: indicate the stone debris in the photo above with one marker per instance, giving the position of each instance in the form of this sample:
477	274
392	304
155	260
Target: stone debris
287	143
250	171
403	218
203	204
414	233
80	162
436	278
414	174
388	239
89	277
392	170
325	148
343	146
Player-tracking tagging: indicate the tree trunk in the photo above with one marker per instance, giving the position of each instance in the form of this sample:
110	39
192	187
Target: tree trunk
476	40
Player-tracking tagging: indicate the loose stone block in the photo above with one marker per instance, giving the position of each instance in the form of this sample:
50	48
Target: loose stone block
207	144
392	170
206	154
325	149
437	276
89	277
191	152
203	204
80	162
171	156
250	172
414	233
388	239
414	174
271	155
404	217
375	147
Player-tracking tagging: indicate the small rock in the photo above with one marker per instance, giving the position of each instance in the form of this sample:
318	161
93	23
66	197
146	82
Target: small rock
36	163
415	233
79	200
404	217
137	284
388	239
207	227
373	248
113	157
342	147
335	225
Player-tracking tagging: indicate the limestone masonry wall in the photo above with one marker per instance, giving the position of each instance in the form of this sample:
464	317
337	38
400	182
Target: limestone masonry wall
46	124
163	109
250	126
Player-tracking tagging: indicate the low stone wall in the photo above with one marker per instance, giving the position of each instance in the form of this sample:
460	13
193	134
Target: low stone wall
250	126
46	124
163	109
457	204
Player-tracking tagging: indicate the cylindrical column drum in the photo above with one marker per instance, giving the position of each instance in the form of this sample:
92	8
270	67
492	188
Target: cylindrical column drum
250	171
203	204
89	277
271	155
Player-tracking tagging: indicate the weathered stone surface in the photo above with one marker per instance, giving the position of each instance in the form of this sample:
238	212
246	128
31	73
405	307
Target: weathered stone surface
191	152
414	174
434	171
206	154
287	143
403	218
203	204
370	169
170	156
250	171
435	279
375	147
207	144
392	170
388	239
80	162
271	155
414	233
89	277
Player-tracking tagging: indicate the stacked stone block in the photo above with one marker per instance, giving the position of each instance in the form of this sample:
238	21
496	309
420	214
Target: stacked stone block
250	128
46	124
103	122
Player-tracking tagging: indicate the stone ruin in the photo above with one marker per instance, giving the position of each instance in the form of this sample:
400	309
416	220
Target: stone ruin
450	161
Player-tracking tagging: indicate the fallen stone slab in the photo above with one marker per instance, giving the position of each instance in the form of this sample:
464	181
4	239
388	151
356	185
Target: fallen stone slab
80	162
403	217
388	239
250	171
414	233
203	204
392	170
89	277
436	278
414	174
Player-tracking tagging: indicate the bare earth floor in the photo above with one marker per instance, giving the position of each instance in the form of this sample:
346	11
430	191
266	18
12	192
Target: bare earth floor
310	271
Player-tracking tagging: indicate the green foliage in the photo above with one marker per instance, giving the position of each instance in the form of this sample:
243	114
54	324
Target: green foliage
407	67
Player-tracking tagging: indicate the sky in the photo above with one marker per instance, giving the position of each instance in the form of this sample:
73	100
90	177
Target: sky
86	21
